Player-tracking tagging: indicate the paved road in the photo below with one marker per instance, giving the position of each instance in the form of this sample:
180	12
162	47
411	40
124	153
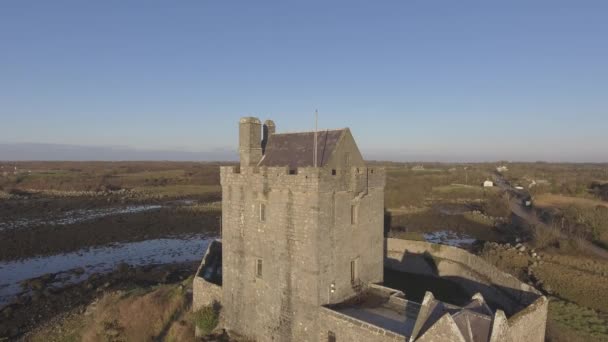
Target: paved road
530	216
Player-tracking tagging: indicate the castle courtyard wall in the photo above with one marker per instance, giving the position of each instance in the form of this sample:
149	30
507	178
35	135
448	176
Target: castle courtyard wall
472	272
530	323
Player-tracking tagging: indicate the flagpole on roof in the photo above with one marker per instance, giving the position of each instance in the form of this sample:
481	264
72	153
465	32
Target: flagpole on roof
314	155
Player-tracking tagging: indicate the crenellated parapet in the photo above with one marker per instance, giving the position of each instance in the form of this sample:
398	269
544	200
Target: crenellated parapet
260	178
356	179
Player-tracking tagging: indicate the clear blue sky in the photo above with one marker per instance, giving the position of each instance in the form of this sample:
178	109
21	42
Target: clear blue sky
447	80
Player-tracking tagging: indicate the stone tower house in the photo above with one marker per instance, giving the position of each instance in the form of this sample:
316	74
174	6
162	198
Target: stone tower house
296	237
302	255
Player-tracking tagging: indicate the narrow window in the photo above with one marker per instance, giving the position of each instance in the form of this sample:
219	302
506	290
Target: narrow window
333	172
262	212
346	159
353	213
354	272
331	336
258	268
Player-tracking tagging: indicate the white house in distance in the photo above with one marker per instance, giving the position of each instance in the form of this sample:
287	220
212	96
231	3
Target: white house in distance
488	184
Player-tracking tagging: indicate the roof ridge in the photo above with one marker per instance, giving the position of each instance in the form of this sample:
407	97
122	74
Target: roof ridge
304	132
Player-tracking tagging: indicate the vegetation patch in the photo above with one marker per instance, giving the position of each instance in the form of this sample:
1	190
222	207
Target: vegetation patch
415	236
560	201
574	284
158	314
206	319
432	220
586	323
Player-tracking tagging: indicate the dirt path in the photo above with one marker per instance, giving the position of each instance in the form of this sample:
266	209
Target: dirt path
530	217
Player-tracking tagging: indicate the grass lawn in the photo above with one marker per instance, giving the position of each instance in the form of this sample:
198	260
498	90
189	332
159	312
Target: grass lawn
573	322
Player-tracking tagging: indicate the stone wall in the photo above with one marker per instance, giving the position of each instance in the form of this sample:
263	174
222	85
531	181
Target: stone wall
347	328
279	302
306	243
530	323
472	272
347	145
205	293
342	241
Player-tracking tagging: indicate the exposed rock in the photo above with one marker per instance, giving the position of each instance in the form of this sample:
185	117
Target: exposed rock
112	332
7	312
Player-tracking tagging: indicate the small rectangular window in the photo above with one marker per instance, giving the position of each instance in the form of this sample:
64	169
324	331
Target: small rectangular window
262	212
258	268
331	336
353	213
354	272
333	172
346	159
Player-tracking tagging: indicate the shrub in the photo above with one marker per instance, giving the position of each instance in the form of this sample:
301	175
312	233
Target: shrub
497	205
544	238
206	319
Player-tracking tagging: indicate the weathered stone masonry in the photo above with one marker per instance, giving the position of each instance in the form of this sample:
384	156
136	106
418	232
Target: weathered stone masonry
302	245
290	235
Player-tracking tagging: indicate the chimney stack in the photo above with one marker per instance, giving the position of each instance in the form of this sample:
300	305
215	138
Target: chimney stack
250	142
269	128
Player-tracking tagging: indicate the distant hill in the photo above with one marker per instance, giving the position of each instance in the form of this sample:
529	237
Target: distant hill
40	151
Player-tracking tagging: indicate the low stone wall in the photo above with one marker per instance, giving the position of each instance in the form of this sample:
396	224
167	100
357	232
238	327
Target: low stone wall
204	293
348	328
473	273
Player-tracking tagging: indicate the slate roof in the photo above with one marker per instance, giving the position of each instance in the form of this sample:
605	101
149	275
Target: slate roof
296	149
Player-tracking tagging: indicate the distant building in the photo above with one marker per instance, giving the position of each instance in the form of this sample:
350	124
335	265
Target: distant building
502	169
418	168
488	184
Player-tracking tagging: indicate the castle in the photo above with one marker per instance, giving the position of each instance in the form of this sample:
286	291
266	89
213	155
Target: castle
302	253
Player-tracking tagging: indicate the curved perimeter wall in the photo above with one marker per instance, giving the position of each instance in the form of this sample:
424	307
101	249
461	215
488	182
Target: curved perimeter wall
470	271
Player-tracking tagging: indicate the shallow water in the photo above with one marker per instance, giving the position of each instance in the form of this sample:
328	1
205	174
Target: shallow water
76	216
99	260
451	238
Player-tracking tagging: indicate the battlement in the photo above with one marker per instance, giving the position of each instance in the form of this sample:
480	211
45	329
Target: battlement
353	179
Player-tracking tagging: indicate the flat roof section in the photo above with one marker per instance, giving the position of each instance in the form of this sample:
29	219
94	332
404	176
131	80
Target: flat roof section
377	308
